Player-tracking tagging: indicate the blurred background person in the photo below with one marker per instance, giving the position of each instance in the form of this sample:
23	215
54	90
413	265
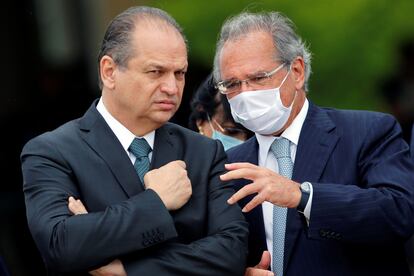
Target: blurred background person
398	88
211	116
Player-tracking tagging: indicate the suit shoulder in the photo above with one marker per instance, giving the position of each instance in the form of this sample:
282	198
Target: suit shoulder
360	118
65	132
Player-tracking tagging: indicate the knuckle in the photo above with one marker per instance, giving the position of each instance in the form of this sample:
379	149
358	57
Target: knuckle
181	171
259	198
267	189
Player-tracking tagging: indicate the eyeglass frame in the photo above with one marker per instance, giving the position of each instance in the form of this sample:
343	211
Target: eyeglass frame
222	89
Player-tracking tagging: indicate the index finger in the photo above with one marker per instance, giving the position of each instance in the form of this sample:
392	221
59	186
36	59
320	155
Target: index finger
240	165
242	193
246	171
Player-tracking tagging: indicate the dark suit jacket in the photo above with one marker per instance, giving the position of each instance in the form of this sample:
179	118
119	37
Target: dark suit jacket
83	158
412	142
362	208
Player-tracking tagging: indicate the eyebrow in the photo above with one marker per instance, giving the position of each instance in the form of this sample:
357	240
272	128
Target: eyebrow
257	72
248	75
162	67
154	65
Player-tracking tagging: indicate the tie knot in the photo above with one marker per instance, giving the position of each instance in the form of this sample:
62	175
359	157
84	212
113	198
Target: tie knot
281	147
139	147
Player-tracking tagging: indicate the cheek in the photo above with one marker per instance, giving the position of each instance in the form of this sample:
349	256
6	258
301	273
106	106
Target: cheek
180	92
287	93
285	96
181	85
232	95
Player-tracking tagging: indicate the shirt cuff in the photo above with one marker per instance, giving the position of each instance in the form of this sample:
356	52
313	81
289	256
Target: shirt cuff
308	207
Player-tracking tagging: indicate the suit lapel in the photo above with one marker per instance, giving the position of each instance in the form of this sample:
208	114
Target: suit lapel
316	143
99	136
246	152
165	147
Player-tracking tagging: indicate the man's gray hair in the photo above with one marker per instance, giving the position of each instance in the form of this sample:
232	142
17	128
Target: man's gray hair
117	39
287	43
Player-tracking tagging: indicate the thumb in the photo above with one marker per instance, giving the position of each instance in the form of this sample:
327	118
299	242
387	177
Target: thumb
264	261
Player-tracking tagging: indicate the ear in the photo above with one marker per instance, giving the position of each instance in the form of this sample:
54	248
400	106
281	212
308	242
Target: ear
200	126
107	71
298	72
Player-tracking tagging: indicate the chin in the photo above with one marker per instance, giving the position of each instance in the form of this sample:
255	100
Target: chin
163	117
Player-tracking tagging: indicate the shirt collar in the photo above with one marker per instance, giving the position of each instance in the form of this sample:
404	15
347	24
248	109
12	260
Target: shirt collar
124	135
291	133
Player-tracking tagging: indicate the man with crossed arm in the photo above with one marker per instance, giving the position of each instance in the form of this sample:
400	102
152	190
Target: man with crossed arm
171	220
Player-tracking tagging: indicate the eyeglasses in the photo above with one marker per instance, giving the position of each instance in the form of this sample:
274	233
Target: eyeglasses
255	81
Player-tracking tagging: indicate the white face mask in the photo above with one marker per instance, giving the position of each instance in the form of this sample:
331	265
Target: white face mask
261	111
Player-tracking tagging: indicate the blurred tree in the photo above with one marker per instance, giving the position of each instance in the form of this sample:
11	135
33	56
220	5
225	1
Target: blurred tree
352	41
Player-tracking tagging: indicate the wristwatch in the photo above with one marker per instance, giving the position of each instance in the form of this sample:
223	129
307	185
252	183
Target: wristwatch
305	189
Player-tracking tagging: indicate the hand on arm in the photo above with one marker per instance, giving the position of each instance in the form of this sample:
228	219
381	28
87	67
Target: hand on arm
113	268
171	183
222	250
268	185
261	269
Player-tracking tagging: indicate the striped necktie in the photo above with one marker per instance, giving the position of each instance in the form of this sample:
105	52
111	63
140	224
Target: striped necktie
140	149
281	150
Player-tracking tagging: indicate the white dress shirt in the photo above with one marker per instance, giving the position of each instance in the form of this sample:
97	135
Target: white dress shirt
268	160
123	134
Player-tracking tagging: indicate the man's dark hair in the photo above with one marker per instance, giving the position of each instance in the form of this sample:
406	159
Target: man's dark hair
117	40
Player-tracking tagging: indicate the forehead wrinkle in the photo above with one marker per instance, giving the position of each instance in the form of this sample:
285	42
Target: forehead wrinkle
241	57
163	47
151	22
158	24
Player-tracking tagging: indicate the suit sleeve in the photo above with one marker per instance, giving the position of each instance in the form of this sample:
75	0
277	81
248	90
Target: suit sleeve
224	249
73	243
379	207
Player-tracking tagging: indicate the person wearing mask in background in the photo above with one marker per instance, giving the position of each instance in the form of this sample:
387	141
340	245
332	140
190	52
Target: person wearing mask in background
326	191
211	116
152	189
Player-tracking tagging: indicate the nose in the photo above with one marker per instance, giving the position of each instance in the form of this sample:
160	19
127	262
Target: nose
244	85
170	85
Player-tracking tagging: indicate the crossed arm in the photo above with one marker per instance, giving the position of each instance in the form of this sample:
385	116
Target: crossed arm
70	243
114	268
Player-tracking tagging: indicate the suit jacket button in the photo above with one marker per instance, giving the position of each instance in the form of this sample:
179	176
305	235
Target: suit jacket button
145	243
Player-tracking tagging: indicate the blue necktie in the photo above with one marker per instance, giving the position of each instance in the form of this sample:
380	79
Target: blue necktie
140	148
281	149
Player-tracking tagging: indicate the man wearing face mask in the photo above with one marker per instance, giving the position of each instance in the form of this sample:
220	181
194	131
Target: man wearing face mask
325	191
211	116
